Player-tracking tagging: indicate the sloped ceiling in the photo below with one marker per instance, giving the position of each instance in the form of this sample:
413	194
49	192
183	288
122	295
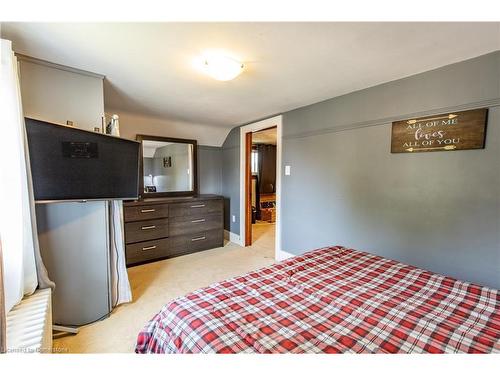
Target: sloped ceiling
288	65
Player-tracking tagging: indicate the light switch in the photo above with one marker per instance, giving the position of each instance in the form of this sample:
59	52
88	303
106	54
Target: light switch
234	219
287	170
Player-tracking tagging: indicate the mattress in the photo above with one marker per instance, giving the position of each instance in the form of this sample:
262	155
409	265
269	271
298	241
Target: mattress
330	300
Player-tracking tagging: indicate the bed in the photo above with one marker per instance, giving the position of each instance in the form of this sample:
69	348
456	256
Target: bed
330	300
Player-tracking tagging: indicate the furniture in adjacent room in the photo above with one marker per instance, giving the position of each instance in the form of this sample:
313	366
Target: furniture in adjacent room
159	228
268	207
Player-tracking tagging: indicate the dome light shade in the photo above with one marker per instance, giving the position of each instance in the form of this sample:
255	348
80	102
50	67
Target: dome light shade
221	68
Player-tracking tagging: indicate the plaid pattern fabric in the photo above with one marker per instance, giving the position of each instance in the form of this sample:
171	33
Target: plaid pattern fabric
330	300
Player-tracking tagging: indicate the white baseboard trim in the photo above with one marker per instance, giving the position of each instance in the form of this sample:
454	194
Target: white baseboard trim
282	255
232	237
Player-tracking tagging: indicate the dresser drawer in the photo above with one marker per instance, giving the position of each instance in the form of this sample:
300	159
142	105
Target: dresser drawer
146	230
194	224
214	206
146	212
196	242
148	250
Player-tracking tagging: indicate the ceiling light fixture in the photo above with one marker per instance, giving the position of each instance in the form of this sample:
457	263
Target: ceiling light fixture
221	67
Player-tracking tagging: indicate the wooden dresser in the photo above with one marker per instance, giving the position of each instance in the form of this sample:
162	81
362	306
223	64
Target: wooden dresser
160	228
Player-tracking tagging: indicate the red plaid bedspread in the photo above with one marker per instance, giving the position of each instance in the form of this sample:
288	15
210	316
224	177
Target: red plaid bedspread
330	300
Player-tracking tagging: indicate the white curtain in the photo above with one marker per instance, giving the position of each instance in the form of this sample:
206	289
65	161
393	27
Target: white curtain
19	239
121	292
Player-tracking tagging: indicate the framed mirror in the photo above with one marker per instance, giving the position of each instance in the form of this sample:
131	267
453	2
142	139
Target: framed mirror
168	166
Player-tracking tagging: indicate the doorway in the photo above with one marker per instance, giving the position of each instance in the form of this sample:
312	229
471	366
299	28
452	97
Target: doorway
262	192
260	187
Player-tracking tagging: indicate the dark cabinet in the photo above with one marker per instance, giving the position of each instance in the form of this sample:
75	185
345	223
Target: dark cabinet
161	228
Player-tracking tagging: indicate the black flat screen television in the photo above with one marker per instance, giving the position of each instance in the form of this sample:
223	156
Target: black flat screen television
74	164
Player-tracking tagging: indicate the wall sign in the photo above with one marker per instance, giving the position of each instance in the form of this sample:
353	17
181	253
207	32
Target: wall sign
447	132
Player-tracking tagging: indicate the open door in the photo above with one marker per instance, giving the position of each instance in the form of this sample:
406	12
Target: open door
248	189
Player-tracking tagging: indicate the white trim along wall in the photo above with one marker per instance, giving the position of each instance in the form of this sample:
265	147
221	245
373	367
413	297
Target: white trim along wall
232	237
256	126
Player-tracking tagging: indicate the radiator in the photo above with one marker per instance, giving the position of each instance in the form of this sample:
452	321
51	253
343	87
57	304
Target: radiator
29	324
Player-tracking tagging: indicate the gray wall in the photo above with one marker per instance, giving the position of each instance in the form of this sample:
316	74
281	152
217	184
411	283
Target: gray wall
210	170
231	180
439	211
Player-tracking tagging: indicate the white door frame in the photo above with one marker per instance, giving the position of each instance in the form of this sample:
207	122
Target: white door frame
256	126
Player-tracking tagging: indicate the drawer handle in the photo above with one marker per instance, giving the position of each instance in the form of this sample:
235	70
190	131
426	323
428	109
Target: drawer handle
198	206
198	239
198	221
148	227
149	248
148	210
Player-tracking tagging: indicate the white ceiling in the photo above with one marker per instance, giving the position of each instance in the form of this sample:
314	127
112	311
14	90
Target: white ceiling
288	65
149	147
154	144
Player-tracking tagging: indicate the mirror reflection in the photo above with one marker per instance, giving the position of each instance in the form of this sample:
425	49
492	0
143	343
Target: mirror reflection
168	166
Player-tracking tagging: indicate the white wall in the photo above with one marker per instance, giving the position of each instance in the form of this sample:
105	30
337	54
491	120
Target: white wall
133	124
55	95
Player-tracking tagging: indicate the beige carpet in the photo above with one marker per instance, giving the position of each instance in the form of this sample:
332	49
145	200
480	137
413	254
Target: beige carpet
155	284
